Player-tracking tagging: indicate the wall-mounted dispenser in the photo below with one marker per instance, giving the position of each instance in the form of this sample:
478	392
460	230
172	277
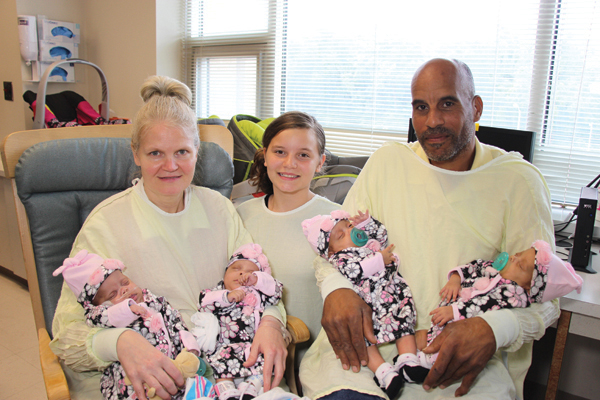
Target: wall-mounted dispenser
28	38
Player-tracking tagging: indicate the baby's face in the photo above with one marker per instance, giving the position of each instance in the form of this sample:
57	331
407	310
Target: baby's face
117	288
340	237
520	268
236	271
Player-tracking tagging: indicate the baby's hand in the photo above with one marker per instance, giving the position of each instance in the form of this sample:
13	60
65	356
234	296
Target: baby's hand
248	279
357	219
388	255
235	296
138	310
450	290
194	352
441	315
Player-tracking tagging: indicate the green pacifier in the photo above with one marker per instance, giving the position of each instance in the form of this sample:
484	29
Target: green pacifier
359	237
202	367
500	261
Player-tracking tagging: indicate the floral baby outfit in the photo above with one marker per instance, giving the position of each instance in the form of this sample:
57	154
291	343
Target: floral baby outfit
482	289
380	286
239	321
163	327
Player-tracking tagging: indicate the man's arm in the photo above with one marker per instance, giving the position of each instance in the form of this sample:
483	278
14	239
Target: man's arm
529	218
512	328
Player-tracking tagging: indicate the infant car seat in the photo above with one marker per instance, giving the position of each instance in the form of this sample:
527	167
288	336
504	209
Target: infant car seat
247	134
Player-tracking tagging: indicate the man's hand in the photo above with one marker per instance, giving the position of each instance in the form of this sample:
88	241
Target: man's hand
347	319
269	341
464	348
143	363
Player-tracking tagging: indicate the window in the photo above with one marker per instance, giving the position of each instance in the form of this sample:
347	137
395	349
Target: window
350	63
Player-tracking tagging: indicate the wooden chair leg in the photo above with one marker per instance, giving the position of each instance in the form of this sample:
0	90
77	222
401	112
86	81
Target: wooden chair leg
557	357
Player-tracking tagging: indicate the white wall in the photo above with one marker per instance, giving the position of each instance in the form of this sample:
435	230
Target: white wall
121	39
169	34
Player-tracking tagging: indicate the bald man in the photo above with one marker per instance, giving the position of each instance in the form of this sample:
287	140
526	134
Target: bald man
446	200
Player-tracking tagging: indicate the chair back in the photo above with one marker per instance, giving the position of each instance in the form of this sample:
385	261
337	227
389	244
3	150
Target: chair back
59	182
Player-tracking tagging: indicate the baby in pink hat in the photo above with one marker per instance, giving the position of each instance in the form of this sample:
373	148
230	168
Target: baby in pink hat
111	300
238	301
357	248
534	275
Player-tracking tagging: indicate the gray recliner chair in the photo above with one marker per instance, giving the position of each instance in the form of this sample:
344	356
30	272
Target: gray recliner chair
59	183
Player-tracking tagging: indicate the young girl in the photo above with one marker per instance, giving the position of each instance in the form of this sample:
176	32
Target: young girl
293	152
112	300
238	301
535	275
357	247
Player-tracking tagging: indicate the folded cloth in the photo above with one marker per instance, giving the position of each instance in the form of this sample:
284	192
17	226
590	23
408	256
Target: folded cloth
206	330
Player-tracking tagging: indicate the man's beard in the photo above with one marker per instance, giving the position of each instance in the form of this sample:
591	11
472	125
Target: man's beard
458	143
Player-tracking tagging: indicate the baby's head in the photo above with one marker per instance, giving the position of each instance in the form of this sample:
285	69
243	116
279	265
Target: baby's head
248	258
328	234
542	273
96	280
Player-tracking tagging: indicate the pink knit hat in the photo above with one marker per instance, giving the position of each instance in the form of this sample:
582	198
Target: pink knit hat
552	277
251	252
318	228
85	272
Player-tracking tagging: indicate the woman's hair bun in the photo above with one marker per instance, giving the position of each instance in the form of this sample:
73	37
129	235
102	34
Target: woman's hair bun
165	86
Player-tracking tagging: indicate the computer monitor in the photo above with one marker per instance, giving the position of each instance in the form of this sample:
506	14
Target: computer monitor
506	139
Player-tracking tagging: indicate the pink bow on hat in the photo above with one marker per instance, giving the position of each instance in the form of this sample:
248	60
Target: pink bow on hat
251	252
86	269
318	228
552	277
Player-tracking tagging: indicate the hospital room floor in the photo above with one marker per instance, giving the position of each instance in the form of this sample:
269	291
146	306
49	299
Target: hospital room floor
20	372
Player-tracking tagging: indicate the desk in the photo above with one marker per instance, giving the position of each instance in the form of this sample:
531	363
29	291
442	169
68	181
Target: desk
580	315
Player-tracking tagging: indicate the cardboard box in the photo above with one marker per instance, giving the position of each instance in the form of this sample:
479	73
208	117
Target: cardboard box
59	31
62	73
54	51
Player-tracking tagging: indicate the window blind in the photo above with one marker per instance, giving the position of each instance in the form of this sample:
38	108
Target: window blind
350	64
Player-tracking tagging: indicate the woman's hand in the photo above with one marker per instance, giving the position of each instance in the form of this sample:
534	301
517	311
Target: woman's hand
269	341
348	320
143	363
